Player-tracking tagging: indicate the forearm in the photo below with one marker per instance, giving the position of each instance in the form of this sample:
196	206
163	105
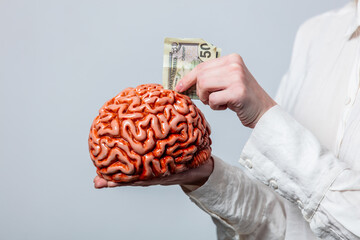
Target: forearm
239	206
290	159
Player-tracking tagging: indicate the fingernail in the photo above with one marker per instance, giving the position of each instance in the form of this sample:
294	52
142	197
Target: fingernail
179	87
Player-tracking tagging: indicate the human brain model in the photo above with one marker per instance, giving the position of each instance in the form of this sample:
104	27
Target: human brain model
147	132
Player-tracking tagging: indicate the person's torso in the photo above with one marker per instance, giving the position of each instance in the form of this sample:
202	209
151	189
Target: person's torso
326	99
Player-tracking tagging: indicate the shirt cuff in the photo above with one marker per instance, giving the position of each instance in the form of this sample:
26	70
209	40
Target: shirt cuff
214	180
233	199
209	196
284	155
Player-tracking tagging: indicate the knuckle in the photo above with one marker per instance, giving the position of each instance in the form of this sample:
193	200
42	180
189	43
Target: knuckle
198	92
201	80
234	57
235	67
213	106
211	99
213	102
203	96
239	75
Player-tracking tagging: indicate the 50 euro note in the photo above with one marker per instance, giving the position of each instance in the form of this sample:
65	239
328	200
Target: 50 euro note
181	55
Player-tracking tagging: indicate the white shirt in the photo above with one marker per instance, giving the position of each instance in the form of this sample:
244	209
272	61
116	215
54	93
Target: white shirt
305	152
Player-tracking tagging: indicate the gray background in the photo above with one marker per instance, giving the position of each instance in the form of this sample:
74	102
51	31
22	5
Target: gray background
61	60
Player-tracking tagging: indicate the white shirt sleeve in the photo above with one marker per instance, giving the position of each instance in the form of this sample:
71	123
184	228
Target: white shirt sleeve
240	207
288	158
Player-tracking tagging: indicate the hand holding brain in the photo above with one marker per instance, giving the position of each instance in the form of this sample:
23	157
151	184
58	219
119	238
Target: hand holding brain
147	132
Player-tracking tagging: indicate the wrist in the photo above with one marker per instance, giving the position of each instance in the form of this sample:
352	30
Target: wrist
205	173
194	186
267	103
189	188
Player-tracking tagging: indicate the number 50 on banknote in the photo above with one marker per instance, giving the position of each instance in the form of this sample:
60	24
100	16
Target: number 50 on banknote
181	55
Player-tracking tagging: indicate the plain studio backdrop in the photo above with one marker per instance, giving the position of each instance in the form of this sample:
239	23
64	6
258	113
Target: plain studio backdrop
61	60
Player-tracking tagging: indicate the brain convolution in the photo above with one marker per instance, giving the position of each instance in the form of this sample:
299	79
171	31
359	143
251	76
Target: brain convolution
147	132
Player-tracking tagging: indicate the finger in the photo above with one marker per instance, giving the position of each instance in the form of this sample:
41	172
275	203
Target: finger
221	61
187	81
100	182
202	94
219	100
190	79
213	80
114	184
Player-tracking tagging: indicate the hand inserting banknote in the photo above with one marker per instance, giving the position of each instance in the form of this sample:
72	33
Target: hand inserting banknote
181	55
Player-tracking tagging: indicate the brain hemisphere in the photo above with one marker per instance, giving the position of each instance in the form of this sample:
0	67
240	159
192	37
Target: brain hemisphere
148	132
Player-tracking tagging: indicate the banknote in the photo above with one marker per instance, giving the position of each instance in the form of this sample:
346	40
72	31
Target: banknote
181	55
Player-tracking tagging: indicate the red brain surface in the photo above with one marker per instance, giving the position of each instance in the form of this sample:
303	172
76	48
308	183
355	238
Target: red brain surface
148	132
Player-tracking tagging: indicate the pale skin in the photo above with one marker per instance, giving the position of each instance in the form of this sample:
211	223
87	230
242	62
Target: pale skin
221	83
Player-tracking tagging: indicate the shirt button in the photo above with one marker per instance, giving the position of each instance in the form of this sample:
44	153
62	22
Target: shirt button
348	101
300	204
273	184
248	163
